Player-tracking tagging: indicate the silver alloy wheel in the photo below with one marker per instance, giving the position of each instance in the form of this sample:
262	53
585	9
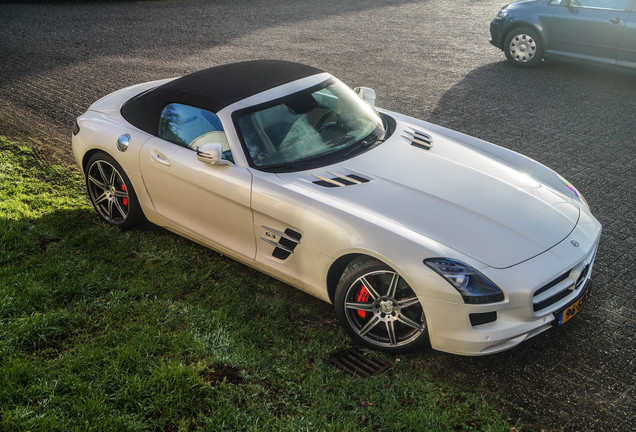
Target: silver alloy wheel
383	310
523	48
108	191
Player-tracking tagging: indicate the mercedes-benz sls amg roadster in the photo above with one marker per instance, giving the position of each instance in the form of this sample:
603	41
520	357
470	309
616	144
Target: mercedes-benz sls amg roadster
416	233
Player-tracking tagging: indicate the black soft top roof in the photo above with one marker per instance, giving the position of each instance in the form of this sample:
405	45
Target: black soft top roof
213	89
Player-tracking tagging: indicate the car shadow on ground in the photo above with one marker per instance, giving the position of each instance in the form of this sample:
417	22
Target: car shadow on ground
578	120
522	108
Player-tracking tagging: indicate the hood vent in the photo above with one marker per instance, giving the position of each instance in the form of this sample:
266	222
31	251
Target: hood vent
339	180
419	139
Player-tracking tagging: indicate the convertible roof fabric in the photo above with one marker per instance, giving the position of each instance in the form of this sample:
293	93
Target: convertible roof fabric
213	89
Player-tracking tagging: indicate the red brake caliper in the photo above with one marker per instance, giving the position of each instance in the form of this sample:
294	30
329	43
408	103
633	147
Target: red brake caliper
362	297
125	199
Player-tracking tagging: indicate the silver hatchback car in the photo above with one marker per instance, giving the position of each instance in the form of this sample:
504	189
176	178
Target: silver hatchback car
597	31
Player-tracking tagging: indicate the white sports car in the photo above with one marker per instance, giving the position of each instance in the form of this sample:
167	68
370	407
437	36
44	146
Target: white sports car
413	231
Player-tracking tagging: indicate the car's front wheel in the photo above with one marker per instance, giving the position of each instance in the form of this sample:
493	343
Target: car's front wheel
378	308
523	47
111	192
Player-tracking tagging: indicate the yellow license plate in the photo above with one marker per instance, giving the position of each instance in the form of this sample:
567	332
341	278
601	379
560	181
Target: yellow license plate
573	309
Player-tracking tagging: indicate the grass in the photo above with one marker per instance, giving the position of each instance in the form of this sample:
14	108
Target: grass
142	330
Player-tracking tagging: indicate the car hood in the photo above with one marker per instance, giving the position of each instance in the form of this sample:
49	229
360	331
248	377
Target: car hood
472	202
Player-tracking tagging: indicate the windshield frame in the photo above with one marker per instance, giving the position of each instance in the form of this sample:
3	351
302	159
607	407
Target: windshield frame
348	152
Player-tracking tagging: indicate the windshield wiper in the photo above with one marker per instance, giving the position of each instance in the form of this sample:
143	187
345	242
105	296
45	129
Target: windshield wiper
366	143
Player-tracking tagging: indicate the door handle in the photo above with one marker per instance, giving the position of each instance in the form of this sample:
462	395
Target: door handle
616	20
158	157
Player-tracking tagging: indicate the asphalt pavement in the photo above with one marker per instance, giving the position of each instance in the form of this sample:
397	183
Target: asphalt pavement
429	59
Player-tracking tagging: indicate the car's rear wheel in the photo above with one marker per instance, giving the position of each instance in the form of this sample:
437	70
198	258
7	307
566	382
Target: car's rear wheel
523	47
111	192
378	308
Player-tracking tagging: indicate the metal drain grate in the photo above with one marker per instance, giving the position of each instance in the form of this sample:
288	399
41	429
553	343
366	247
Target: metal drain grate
354	362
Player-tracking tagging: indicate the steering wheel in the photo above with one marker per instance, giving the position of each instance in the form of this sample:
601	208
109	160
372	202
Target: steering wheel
322	124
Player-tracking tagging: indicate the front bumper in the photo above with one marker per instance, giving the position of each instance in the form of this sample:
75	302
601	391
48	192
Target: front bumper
536	291
496	33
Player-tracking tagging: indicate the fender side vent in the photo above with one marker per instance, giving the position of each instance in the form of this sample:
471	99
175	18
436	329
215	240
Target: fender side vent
339	180
419	139
354	362
287	242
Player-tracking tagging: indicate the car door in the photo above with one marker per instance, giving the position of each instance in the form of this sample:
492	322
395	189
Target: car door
211	202
627	46
589	29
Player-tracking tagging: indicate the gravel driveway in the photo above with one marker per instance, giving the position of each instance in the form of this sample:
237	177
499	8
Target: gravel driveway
430	59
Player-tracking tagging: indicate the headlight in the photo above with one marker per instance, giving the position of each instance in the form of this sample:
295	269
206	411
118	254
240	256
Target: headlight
502	14
573	190
474	287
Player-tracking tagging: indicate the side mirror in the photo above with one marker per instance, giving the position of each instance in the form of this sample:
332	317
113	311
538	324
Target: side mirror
367	94
212	153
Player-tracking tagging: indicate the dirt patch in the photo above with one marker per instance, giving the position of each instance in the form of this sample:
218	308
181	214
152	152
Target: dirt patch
218	374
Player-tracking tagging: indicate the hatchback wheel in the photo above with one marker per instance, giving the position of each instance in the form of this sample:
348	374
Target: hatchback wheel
523	47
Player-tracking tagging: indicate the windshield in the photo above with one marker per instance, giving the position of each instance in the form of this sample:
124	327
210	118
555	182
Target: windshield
314	127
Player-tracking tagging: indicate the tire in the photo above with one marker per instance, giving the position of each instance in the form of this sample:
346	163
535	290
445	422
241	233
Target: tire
378	309
523	47
111	192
